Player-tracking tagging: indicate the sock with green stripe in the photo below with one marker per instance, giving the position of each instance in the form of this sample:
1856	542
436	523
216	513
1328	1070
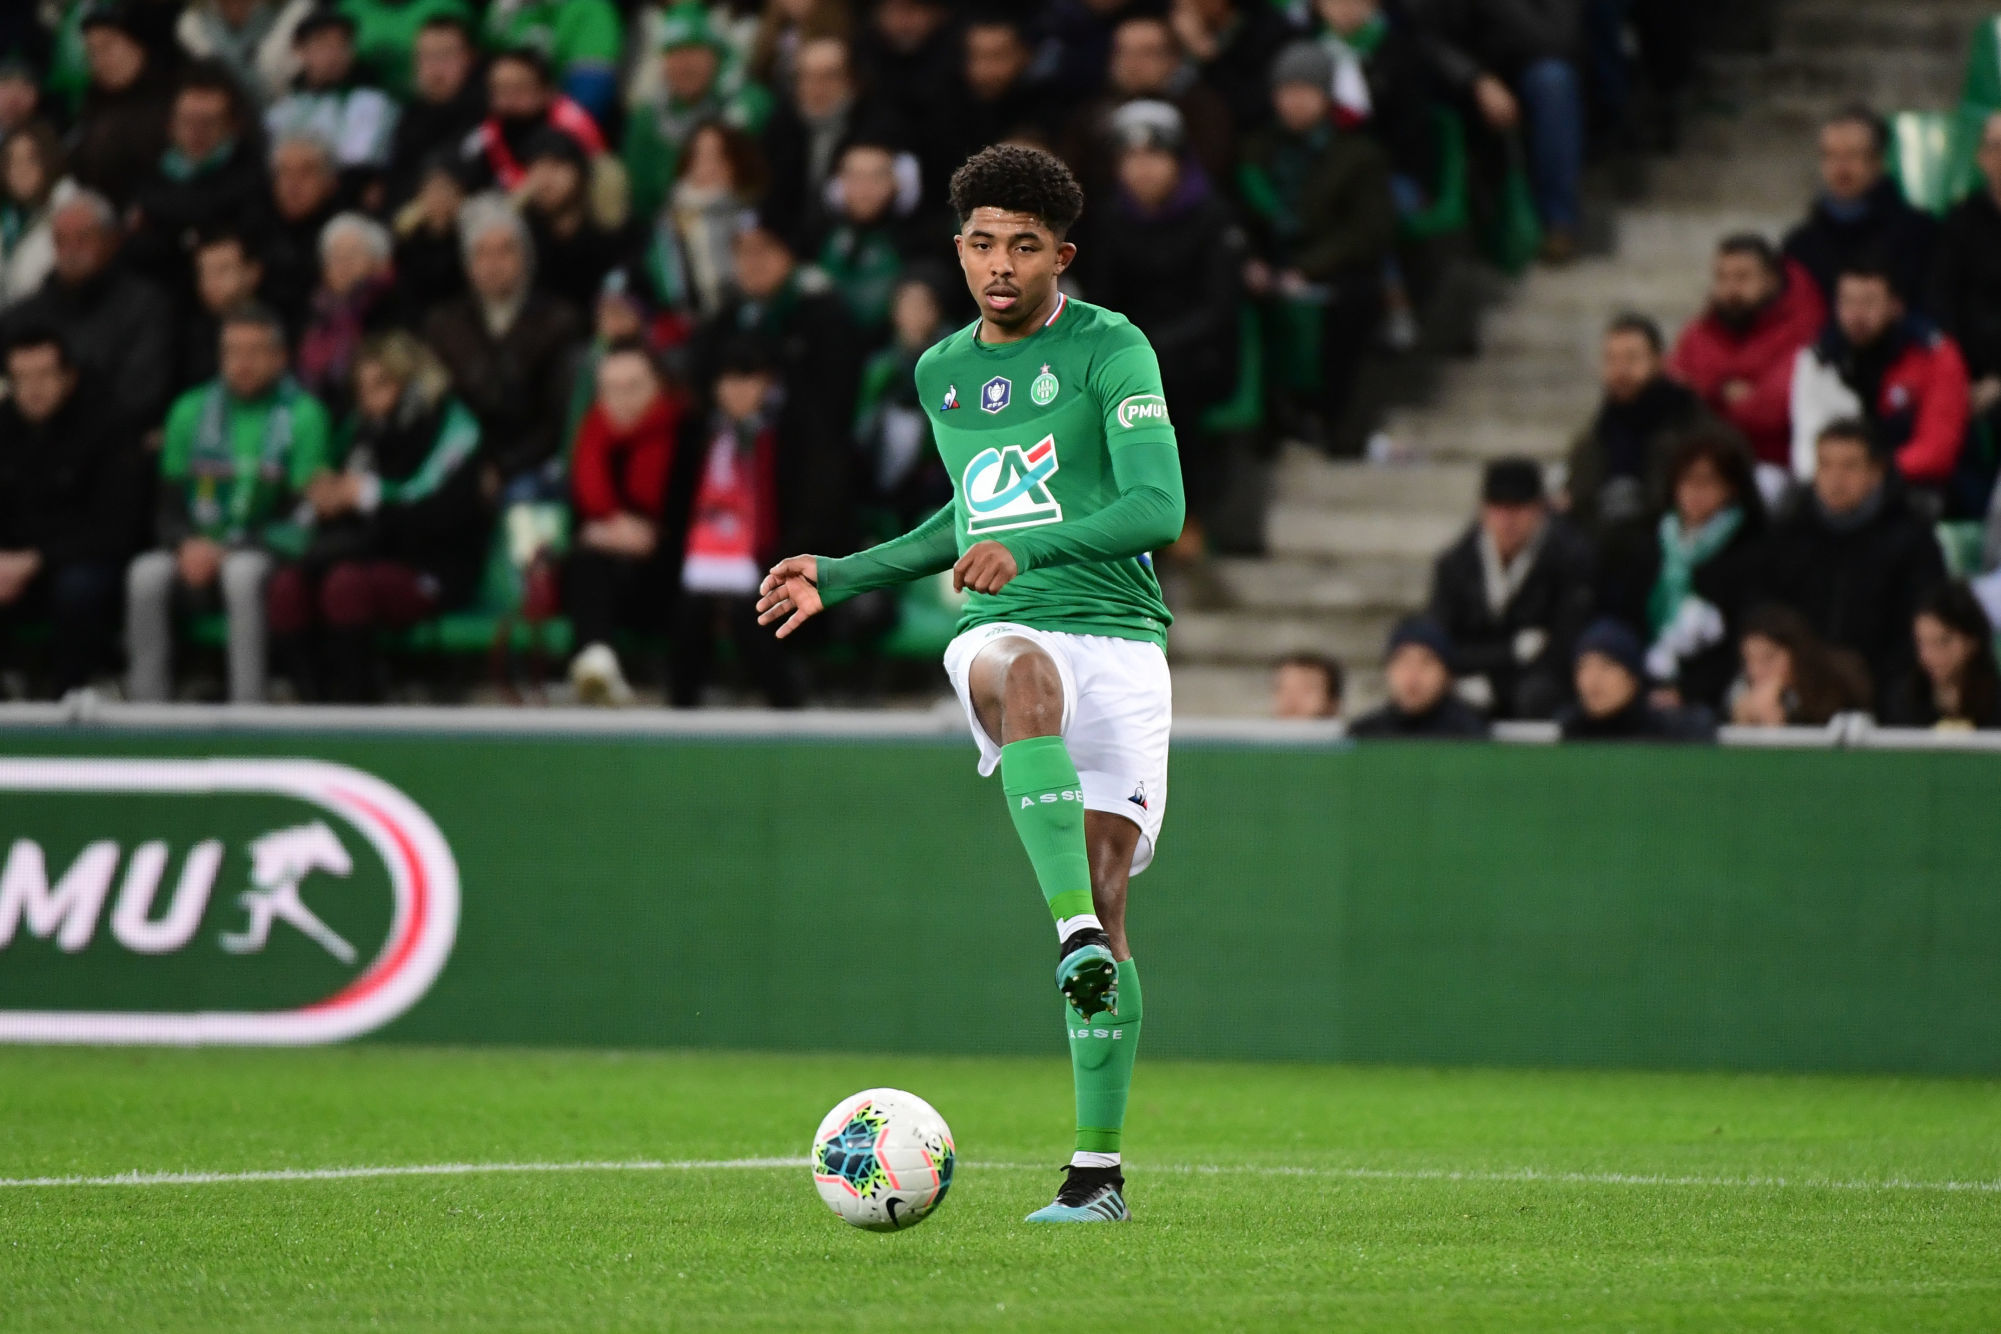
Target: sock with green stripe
1045	798
1101	1060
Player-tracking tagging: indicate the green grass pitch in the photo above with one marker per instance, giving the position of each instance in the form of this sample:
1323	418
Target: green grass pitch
1265	1197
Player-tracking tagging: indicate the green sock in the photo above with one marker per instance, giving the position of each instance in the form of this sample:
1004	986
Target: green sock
1101	1059
1046	800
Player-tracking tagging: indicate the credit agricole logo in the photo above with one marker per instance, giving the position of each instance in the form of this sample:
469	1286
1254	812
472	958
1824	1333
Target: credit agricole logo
214	901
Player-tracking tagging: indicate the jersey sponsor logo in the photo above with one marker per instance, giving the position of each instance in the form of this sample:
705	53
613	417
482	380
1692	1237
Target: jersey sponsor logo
1009	487
995	394
951	398
1142	410
1043	389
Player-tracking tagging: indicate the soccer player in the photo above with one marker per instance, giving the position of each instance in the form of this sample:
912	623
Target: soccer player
1050	417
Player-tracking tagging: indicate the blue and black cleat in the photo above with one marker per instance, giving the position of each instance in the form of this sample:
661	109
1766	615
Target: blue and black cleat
1085	972
1089	1195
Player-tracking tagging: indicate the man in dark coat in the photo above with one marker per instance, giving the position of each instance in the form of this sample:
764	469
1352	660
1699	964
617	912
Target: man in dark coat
1422	705
118	327
123	126
1966	291
210	176
998	98
1618	463
305	195
1853	559
1513	593
1861	213
447	105
1232	43
1612	702
69	508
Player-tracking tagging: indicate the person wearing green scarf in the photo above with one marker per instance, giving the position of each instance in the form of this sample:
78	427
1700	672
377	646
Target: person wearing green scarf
701	81
238	453
1704	546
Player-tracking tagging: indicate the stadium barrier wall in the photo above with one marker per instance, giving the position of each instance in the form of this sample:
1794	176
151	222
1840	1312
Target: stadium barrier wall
840	883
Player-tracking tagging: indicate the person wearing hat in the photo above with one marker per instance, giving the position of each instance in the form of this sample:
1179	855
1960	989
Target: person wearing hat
121	129
584	40
1611	705
1512	593
1418	672
700	81
1323	224
333	99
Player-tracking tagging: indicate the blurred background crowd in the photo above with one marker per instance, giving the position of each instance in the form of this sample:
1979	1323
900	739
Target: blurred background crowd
427	349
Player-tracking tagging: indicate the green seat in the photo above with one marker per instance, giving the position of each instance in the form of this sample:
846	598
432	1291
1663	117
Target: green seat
1960	542
927	618
1244	410
1450	210
1981	92
1932	156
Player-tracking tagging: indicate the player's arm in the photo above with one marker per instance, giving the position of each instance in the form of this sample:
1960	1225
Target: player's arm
1150	507
800	586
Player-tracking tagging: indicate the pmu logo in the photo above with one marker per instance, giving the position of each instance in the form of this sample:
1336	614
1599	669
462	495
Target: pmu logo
1009	487
214	901
1142	410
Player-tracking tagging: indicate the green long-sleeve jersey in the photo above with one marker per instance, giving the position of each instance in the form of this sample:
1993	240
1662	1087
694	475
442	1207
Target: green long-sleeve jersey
1060	448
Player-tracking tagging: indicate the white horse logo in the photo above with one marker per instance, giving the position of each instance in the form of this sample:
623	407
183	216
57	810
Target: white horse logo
279	861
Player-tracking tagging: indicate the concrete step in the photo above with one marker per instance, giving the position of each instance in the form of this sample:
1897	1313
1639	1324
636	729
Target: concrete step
1447	436
1941	30
1233	690
1889	80
1296	529
1300	583
1249	637
1419	487
1485	389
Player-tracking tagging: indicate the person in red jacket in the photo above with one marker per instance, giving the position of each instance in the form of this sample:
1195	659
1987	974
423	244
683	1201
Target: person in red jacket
1894	370
620	565
1738	354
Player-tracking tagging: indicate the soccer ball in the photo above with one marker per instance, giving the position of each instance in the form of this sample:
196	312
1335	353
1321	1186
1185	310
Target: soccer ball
882	1159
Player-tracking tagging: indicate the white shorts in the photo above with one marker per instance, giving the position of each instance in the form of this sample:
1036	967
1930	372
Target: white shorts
1118	706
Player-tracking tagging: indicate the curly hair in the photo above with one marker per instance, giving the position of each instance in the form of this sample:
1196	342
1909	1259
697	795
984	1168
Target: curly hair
1020	180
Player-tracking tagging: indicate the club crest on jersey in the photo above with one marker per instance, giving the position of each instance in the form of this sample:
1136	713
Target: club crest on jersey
1044	388
951	398
995	394
1009	487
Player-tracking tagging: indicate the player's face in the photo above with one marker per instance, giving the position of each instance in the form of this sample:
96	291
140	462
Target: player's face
1012	261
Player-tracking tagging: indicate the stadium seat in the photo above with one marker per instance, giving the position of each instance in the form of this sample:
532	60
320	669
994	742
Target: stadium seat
1981	93
1931	156
1960	543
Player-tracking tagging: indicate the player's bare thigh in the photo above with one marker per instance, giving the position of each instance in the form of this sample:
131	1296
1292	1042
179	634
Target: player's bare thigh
1017	691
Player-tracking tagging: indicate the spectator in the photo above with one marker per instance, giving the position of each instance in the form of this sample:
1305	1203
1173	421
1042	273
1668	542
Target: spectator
906	483
1612	703
1324	221
430	268
1000	97
621	567
67	502
305	195
1791	678
689	258
227	275
387	32
584	40
30	170
1512	594
252	39
1738	354
1686	585
239	453
1380	82
509	349
577	241
118	326
446	105
1618	464
1167	253
803	140
784	27
1516	63
1966	292
734	533
869	202
333	99
1232	43
817	356
1854	559
1147	64
1893	370
1307	686
20	92
1957	685
209	177
122	129
697	86
1860	213
1421	704
521	99
355	298
910	53
401	530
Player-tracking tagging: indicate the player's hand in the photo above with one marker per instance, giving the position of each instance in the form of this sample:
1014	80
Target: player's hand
985	568
791	592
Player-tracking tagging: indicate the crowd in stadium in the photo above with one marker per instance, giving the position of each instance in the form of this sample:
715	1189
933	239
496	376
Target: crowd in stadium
324	322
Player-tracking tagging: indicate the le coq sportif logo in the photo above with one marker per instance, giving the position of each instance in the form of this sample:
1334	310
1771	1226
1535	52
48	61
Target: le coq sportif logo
214	901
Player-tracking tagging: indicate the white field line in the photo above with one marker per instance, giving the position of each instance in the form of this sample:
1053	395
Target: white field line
1524	1176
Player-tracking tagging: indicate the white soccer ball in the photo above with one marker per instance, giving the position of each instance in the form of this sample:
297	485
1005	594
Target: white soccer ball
882	1159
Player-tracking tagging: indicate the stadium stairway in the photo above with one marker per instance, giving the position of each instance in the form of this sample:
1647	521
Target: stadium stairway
1350	543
